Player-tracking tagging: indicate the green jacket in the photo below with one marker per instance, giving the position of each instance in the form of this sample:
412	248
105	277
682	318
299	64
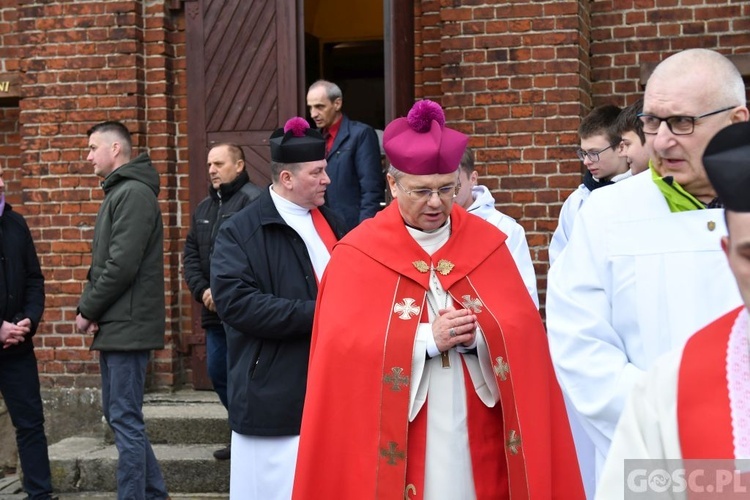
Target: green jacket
125	291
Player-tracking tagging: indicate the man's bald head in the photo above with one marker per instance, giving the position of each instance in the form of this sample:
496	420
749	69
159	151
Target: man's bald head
721	81
702	92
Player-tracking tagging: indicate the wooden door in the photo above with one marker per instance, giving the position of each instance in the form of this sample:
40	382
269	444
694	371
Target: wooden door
243	81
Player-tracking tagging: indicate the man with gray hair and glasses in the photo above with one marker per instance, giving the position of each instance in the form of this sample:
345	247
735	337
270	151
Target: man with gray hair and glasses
644	268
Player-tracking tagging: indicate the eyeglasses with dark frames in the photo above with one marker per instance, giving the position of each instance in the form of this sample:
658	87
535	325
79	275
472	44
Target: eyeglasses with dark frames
593	156
678	124
444	193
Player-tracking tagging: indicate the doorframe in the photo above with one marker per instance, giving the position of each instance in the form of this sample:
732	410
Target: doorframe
398	37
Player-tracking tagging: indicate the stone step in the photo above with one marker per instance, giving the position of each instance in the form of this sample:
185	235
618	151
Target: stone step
10	489
183	417
84	464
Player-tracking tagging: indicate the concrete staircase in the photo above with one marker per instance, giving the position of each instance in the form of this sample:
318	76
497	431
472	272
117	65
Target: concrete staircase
184	427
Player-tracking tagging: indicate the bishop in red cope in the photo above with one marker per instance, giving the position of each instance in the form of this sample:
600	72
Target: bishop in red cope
429	374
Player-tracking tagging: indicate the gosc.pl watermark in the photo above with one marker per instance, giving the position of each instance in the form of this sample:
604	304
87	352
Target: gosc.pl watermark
687	479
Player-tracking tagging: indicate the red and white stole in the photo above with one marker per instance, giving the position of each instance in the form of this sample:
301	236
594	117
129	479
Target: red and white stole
325	233
713	393
323	229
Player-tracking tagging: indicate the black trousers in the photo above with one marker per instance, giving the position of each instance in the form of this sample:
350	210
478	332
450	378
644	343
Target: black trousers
19	385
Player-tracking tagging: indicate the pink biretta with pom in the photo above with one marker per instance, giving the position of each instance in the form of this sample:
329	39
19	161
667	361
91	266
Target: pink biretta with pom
421	144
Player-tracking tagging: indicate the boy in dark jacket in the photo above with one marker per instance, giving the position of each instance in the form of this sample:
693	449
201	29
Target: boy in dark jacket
21	307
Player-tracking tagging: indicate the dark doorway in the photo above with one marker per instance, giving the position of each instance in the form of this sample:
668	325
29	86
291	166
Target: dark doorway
357	67
344	44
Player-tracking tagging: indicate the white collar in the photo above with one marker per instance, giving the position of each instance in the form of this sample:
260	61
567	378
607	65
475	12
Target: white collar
286	207
431	241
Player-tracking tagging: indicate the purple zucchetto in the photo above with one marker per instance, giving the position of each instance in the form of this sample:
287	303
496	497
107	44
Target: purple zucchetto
296	142
727	163
421	144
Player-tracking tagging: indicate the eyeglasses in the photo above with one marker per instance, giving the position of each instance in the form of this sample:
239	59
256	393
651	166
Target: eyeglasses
593	156
444	193
678	125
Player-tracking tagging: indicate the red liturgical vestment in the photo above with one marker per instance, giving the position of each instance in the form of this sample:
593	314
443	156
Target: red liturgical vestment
703	391
356	439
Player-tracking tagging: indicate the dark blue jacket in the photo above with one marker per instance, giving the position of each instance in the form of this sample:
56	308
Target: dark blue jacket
21	279
356	172
264	287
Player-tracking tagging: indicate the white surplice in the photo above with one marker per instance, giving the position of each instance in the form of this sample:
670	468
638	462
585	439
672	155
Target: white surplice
568	212
262	468
564	229
633	282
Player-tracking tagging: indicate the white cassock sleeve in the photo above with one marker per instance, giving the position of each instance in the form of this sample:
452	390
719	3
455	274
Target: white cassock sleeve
646	430
564	228
418	384
519	250
588	354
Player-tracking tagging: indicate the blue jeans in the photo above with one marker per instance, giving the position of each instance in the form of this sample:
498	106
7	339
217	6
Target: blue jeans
123	382
19	385
216	356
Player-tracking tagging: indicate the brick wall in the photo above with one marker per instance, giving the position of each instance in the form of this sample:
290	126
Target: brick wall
516	76
519	76
10	152
84	62
10	148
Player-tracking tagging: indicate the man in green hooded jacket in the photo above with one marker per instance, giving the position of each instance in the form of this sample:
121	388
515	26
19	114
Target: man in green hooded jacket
122	304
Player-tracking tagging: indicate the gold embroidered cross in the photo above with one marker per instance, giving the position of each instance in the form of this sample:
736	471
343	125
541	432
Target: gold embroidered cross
396	378
391	453
501	368
514	442
474	304
406	309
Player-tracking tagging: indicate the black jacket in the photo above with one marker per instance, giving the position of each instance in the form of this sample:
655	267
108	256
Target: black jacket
209	215
264	288
591	183
21	279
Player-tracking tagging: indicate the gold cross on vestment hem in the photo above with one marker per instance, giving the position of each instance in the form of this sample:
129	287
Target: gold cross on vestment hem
514	442
501	368
391	453
396	378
